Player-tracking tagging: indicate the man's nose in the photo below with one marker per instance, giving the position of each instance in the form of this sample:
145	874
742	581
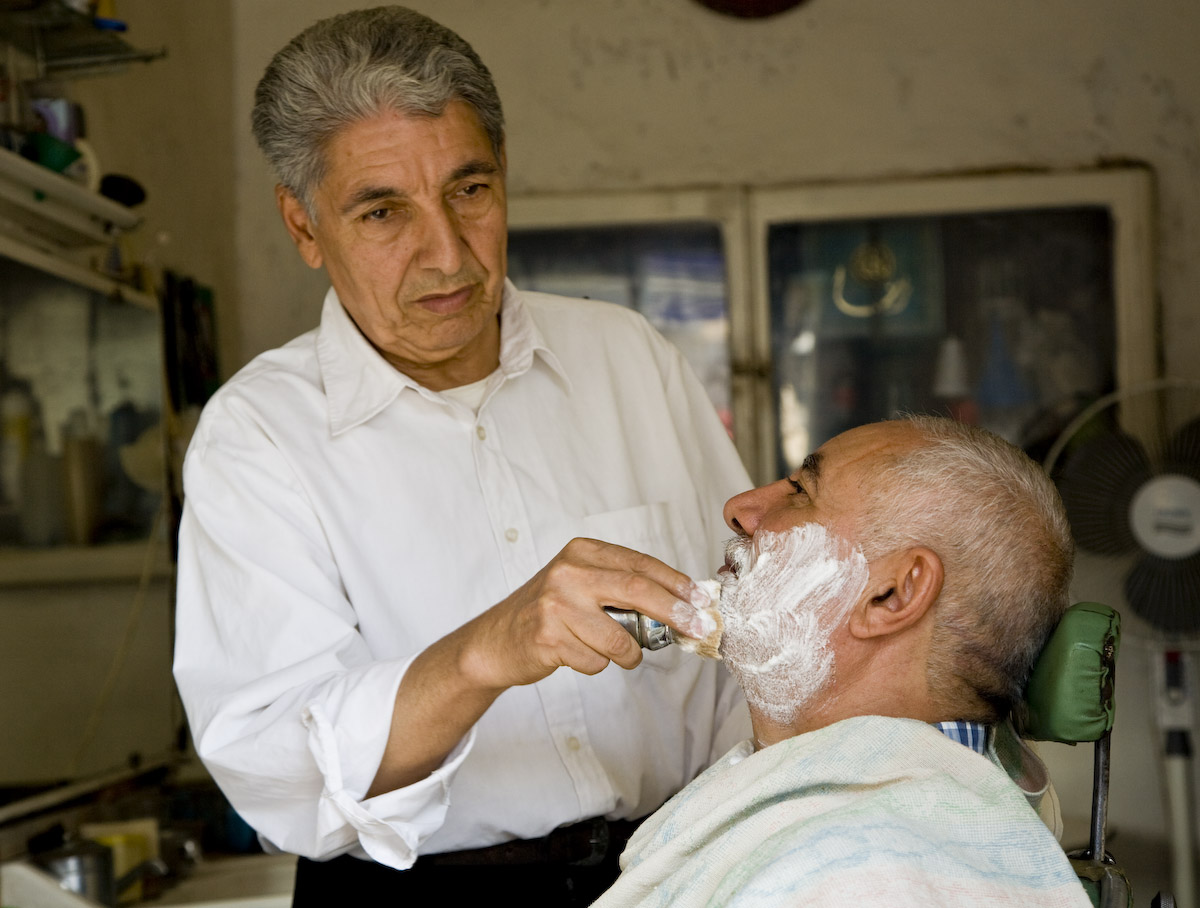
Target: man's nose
744	512
442	243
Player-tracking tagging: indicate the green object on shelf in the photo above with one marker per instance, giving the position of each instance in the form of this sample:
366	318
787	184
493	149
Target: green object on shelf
51	152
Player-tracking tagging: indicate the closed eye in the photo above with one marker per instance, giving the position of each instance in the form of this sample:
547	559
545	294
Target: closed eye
796	487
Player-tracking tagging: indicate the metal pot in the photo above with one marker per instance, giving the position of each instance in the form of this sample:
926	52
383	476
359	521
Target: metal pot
85	867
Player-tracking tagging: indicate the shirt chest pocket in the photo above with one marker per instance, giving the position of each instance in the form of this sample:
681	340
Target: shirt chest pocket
652	528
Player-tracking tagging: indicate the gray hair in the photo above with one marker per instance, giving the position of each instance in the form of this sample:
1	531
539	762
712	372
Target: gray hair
996	521
354	66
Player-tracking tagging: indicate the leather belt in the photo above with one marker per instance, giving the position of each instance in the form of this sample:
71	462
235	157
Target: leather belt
582	844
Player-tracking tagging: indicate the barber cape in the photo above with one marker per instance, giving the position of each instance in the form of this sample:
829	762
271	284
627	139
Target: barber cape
868	811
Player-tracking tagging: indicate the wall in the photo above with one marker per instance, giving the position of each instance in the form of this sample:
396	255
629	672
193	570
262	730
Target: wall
631	94
168	124
646	93
95	664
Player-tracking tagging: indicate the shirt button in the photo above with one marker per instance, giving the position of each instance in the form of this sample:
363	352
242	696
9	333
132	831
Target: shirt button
481	432
511	535
573	743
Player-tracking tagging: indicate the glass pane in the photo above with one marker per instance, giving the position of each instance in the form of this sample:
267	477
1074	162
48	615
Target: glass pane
1004	319
81	387
674	274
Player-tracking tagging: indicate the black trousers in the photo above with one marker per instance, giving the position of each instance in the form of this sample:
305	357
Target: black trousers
432	881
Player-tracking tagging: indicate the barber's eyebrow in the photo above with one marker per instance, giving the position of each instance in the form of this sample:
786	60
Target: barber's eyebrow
481	167
367	194
811	468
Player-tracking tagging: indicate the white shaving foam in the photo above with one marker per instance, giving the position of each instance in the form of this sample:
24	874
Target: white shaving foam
787	593
700	620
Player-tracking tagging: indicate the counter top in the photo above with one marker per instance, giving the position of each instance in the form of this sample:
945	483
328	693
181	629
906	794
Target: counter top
249	881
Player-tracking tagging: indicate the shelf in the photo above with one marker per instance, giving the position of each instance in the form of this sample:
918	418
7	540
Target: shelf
53	208
116	562
64	41
60	795
77	274
46	218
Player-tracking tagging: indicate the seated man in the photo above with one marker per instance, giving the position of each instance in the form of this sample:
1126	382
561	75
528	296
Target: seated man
883	607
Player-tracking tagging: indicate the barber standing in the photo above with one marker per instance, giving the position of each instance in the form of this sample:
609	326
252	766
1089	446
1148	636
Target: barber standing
392	531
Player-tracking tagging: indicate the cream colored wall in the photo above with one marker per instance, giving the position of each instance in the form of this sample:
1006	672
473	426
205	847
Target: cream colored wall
86	678
648	93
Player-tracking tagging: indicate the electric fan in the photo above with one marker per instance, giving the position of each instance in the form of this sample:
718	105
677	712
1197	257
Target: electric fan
1128	470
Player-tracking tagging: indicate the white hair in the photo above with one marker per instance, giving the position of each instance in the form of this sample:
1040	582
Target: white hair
352	67
996	521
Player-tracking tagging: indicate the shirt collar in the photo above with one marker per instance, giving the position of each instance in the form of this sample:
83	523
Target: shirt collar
359	382
520	338
970	734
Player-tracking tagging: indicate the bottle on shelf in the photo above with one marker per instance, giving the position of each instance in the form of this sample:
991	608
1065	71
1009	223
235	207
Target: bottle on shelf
83	463
41	515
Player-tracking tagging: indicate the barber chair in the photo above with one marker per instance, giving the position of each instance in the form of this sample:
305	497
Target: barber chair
1069	699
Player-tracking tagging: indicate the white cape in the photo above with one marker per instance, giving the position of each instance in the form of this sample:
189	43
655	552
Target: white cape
869	811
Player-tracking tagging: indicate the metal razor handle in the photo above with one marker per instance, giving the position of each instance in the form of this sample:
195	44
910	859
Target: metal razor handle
649	634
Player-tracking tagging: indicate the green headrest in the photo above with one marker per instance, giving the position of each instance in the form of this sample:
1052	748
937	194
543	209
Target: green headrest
1069	697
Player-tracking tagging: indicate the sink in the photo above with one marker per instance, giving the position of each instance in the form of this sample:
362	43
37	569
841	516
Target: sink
249	881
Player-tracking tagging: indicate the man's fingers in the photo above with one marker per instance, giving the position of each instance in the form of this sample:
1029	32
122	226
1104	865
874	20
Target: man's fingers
619	558
557	618
618	577
567	628
580	635
603	643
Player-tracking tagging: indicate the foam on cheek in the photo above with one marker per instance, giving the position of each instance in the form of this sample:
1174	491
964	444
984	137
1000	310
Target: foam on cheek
780	614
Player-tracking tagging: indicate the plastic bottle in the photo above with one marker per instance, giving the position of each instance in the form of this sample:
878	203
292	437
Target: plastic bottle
41	512
16	421
83	460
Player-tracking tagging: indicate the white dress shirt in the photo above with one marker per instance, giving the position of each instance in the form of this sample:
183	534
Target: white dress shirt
340	518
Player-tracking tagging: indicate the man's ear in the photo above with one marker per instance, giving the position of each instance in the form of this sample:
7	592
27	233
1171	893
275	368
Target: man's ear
902	589
299	225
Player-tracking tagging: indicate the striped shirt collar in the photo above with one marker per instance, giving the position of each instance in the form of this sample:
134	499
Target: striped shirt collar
970	734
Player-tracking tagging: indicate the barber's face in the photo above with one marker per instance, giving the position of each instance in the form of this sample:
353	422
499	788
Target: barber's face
410	224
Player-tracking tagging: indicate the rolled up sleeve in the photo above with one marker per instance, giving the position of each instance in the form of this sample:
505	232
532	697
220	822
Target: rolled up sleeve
392	825
289	709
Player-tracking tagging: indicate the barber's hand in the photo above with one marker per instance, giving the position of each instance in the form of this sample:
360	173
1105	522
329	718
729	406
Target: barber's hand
556	618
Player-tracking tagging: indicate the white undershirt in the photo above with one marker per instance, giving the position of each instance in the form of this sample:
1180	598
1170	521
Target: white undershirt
470	396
